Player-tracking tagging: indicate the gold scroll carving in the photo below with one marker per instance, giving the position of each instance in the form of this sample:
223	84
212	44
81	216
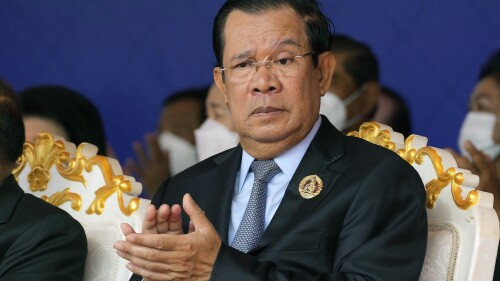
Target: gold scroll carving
47	152
372	132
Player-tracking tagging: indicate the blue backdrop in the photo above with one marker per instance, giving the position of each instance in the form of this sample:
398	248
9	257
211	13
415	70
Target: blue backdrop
128	55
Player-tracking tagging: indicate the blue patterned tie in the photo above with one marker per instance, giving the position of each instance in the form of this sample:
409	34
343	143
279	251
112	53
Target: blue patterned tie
252	225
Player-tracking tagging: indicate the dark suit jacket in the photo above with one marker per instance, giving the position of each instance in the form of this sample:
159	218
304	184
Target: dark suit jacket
38	241
368	223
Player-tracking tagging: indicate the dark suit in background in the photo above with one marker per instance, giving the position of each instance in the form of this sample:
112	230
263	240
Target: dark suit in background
38	241
368	223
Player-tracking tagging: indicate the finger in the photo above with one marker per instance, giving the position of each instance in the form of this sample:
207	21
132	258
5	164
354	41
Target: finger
194	212
154	149
163	248
154	276
140	154
175	221
127	229
162	218
148	268
480	159
127	168
131	168
149	222
167	242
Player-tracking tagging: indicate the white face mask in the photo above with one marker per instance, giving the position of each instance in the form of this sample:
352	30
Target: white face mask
335	109
478	128
212	137
182	154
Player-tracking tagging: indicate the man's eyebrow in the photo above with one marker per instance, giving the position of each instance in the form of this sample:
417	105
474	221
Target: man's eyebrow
289	42
244	54
286	42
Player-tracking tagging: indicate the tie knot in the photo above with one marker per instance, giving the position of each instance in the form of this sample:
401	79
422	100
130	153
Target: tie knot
265	170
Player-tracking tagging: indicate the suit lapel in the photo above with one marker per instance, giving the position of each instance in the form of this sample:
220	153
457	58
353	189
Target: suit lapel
217	203
326	147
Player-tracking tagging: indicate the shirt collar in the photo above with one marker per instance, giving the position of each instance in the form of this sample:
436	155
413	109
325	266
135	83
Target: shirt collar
288	161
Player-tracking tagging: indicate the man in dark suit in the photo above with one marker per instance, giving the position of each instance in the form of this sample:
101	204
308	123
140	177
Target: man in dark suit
296	200
37	240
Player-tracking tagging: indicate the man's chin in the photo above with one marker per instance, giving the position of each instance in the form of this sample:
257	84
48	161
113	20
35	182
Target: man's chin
269	134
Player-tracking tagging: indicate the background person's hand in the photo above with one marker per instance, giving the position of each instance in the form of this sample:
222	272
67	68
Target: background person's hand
483	166
153	165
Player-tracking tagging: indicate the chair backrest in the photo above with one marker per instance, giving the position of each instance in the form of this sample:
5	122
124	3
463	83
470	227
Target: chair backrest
91	188
463	231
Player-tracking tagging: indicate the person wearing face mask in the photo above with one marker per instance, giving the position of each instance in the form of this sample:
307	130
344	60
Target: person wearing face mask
479	138
171	149
217	133
354	90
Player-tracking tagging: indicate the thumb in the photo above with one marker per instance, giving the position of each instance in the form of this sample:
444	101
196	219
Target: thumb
195	213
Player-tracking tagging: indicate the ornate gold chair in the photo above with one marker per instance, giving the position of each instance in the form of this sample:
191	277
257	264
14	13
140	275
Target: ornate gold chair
463	226
90	187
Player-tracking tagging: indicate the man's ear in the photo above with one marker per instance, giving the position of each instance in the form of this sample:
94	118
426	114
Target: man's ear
326	65
219	82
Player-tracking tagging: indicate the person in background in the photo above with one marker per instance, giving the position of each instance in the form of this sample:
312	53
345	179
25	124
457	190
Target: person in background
171	149
353	95
297	199
38	241
392	110
64	112
479	138
491	67
217	133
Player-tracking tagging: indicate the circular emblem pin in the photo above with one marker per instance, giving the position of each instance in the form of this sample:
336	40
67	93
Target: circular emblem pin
310	186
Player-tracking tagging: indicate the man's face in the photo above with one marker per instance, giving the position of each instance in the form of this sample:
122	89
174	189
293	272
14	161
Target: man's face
486	98
343	85
34	125
181	117
269	106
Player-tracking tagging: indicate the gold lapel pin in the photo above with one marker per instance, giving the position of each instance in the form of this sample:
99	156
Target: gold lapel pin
310	186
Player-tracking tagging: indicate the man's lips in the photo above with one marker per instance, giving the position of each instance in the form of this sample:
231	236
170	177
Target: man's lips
265	109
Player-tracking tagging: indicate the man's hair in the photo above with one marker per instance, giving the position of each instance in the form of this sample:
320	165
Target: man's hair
75	113
11	125
361	63
316	23
492	65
